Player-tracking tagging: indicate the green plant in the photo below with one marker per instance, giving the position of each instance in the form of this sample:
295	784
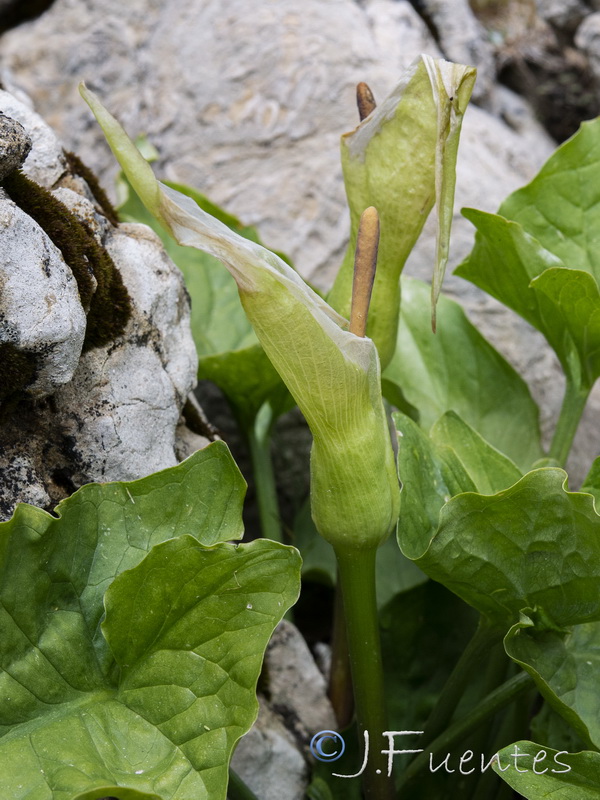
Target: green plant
492	545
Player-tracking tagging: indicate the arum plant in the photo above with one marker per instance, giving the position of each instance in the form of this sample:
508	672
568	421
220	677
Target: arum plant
402	160
334	376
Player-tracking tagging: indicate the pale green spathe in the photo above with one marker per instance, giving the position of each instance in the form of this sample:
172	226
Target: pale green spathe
402	160
332	374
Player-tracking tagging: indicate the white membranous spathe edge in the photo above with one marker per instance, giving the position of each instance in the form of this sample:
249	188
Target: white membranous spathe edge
358	140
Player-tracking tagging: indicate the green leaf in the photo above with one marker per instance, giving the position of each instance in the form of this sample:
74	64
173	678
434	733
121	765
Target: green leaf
565	667
549	728
561	205
383	168
534	545
539	257
229	353
187	628
453	460
591	483
565	776
456	369
67	562
489	470
430	477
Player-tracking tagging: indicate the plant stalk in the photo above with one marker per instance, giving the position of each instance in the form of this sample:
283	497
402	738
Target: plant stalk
493	703
340	679
357	581
479	646
571	410
259	443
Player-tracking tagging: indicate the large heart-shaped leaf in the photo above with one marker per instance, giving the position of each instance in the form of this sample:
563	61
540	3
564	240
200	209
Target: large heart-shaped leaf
160	701
533	545
67	562
490	470
537	772
539	255
65	732
452	460
561	205
456	369
564	304
565	668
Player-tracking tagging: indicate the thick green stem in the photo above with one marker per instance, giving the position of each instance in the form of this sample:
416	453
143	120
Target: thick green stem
482	640
495	701
237	789
568	421
259	442
357	581
340	679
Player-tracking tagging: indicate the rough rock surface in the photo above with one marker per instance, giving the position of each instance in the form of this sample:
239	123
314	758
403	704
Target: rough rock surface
15	145
564	14
41	312
296	709
587	39
112	413
463	39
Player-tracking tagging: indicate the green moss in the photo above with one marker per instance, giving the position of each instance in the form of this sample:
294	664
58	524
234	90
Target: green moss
77	167
108	307
17	369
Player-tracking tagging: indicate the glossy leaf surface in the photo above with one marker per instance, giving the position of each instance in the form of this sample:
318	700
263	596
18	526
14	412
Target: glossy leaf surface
565	667
560	776
456	369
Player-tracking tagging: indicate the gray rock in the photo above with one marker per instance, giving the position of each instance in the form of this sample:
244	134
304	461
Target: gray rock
15	145
463	39
563	14
40	310
114	411
258	117
46	162
297	688
587	39
297	708
268	752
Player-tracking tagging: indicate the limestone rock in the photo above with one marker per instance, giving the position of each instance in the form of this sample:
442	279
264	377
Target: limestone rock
46	162
463	39
297	688
15	145
563	14
112	413
296	709
268	752
587	39
41	316
254	123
